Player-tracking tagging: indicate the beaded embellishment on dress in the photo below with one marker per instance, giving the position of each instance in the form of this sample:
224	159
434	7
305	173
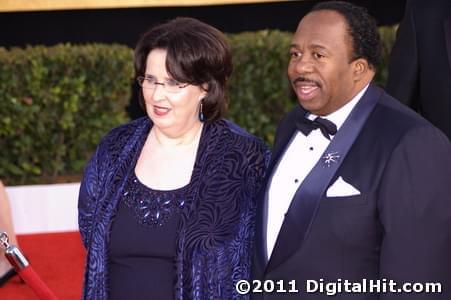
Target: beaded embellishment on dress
153	207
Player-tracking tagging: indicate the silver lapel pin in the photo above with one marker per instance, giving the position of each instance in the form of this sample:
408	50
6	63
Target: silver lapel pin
330	158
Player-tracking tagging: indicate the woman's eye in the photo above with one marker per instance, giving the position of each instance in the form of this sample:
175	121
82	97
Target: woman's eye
150	79
172	82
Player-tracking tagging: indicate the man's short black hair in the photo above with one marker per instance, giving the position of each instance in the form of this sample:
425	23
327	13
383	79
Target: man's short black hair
362	29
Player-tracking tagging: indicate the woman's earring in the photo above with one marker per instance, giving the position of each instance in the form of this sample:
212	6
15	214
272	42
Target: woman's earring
201	113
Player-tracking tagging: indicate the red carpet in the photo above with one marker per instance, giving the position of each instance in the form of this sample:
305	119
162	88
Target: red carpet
59	260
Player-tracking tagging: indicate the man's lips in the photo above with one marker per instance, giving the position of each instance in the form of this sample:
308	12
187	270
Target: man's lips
305	89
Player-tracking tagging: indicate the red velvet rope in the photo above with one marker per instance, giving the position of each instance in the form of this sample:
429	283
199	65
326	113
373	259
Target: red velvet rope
38	286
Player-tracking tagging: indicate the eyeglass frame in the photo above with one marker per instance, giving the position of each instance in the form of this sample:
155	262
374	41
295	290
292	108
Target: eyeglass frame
165	85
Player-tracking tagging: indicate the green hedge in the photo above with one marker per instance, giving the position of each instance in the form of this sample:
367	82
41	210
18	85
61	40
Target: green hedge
259	89
57	102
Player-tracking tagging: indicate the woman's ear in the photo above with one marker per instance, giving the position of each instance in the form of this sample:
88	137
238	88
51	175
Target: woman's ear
204	92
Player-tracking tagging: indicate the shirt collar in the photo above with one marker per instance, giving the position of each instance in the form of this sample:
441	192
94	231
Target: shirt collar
340	115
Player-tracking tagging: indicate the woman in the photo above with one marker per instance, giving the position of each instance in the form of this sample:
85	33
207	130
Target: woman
6	225
166	206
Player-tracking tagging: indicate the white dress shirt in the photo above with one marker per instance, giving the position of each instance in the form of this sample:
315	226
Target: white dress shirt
295	164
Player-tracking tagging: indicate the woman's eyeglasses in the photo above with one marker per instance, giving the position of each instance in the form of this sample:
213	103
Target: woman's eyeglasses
170	85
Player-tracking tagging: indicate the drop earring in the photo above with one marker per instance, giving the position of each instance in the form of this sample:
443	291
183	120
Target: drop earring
201	113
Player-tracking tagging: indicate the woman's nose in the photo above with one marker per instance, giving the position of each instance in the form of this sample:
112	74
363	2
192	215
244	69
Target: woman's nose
158	92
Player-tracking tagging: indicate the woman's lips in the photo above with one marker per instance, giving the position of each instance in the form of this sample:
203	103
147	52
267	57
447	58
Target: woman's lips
160	111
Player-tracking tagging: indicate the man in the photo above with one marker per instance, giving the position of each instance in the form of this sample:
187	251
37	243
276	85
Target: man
369	202
420	63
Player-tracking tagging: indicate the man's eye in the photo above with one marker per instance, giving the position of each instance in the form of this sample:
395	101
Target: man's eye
318	55
295	54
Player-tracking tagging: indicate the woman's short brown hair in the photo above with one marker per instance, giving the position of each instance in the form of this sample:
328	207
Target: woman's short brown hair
197	53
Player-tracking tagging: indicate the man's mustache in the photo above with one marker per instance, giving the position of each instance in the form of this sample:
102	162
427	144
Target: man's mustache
305	79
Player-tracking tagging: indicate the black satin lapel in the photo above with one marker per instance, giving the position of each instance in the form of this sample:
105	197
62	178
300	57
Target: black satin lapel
305	203
447	25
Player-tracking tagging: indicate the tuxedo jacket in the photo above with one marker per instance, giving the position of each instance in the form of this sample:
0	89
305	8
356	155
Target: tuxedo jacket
420	63
397	228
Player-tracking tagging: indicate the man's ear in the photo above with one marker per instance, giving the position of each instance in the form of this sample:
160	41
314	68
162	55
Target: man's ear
361	68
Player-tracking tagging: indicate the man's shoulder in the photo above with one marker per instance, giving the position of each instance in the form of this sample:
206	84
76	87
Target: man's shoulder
288	120
398	115
393	120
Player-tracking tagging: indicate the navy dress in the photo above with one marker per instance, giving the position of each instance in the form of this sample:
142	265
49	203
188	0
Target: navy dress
143	242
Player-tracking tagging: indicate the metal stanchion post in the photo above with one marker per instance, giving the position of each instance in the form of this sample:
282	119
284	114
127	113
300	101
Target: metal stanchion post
25	271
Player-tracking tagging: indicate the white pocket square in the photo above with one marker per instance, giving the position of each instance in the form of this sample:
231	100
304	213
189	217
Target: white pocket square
341	188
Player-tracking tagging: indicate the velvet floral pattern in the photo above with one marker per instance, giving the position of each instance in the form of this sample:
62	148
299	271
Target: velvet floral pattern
214	240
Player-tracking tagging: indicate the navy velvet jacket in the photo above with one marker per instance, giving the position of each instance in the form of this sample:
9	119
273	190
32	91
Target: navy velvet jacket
214	238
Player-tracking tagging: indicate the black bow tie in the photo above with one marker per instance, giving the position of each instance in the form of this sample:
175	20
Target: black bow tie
306	126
